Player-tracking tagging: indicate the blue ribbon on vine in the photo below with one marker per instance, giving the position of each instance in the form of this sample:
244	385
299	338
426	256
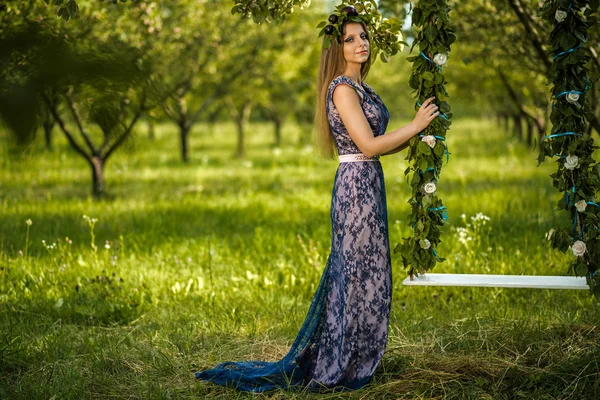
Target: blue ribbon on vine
591	203
561	134
568	92
427	170
587	82
445	151
567	200
444	213
430	60
570	50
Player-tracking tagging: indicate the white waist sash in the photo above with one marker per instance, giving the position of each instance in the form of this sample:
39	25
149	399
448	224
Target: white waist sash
356	158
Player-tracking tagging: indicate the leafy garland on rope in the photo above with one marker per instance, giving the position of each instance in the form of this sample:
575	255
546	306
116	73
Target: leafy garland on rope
428	150
578	174
385	33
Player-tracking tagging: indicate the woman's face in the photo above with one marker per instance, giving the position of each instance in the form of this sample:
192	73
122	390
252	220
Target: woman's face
356	44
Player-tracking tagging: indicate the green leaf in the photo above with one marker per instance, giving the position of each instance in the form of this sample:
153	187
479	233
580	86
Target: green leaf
439	149
428	76
416	179
423	149
430	33
426	202
72	8
581	269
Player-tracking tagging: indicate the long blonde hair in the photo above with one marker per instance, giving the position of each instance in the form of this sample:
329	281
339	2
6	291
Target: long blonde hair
332	65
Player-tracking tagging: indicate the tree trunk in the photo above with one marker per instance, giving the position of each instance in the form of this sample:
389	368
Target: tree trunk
184	131
48	133
517	128
151	130
97	164
529	132
241	123
277	127
506	122
240	151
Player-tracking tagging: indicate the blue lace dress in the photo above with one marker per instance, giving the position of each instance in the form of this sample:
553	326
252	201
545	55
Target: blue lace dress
343	337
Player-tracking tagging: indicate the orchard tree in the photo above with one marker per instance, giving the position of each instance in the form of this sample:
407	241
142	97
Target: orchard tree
505	42
94	87
189	34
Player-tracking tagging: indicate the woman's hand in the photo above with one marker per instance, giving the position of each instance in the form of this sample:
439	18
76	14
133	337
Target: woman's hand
425	115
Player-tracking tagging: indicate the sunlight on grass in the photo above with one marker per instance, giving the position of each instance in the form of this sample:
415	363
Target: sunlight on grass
218	260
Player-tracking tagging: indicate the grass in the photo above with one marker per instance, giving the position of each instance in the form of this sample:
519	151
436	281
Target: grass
217	260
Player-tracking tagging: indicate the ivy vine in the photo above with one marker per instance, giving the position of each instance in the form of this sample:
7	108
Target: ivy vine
578	174
428	151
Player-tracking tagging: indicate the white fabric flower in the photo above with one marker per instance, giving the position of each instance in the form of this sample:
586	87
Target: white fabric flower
571	162
579	248
560	15
440	59
424	243
572	98
429	188
430	140
581	205
549	234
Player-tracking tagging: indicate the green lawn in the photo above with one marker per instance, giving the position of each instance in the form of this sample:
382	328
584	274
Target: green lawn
218	260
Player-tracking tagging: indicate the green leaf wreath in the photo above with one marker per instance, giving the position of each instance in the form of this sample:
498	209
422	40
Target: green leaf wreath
428	151
578	174
385	33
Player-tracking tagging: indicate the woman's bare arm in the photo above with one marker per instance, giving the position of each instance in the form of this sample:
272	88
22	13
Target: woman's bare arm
347	102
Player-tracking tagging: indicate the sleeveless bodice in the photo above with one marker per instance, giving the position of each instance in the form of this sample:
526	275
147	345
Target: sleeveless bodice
375	111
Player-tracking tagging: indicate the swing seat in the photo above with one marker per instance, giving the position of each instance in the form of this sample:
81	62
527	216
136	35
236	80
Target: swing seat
502	281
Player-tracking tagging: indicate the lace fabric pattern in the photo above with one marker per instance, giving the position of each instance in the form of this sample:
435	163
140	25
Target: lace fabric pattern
344	334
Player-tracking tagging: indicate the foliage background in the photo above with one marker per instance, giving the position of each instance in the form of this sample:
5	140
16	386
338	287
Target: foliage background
217	258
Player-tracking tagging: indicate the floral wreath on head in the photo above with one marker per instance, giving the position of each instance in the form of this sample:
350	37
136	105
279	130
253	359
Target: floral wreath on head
385	33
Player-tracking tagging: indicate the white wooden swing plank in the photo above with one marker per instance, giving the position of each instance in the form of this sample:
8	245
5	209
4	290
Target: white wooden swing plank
504	281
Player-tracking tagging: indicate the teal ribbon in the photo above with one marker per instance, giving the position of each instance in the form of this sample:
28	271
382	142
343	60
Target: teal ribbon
567	196
445	151
570	50
568	92
427	170
431	61
561	134
444	214
587	84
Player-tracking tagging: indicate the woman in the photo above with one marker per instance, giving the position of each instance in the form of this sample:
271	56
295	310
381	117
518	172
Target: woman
343	337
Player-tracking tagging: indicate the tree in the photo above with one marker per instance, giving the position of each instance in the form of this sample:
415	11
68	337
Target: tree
504	42
99	83
190	34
